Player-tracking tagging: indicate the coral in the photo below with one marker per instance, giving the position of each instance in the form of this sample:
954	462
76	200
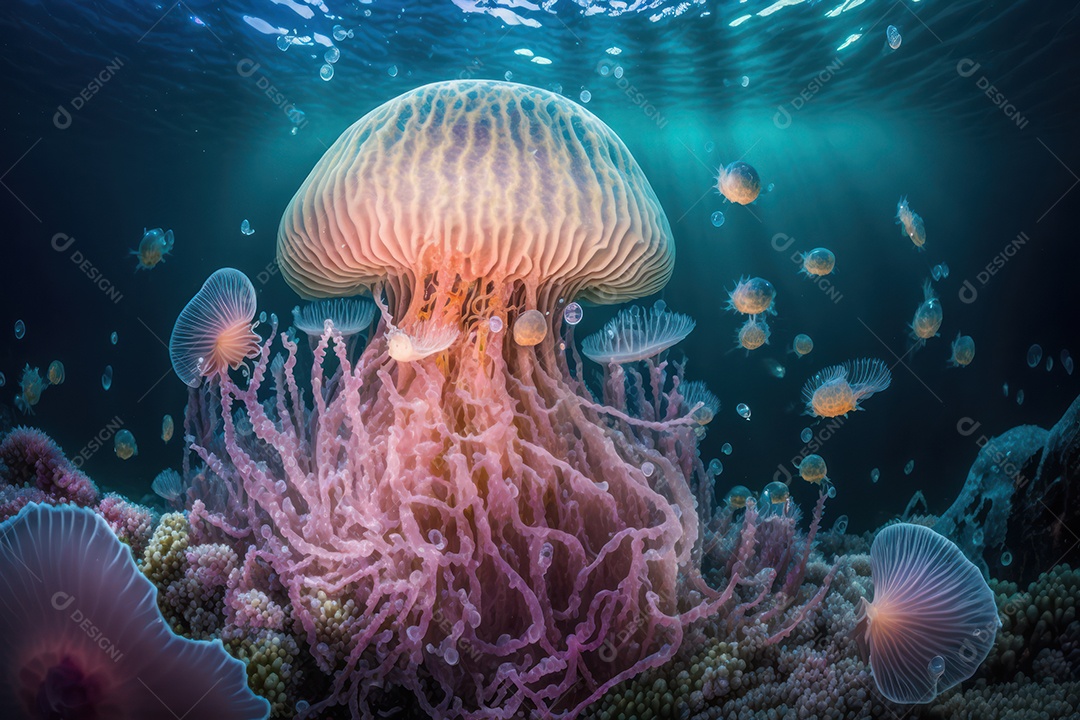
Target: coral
132	523
271	661
165	559
29	457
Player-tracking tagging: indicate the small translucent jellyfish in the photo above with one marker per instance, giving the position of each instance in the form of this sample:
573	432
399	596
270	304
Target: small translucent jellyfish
745	81
647	469
1067	362
1005	389
933	619
754	333
124	445
348	316
585	96
802	344
812	469
1006	559
909	467
806	435
911	225
892	35
770	187
637	334
775	493
106	377
56	372
737	497
530	328
928	316
726	448
20	329
114	338
153	248
495	324
1019	397
699	401
838	390
840	526
717	218
3	379
939	271
963	351
1049	364
1034	355
425	339
744	411
392	71
715	467
332	55
875	475
246	229
31	386
738	182
710	146
168	485
752	296
326	72
573	313
818	262
167	428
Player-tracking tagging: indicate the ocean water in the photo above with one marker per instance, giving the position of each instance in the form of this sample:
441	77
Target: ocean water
198	116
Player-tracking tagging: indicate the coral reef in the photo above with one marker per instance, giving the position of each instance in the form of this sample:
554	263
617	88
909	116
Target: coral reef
34	469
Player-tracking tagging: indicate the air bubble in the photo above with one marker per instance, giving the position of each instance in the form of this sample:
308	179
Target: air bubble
1034	355
585	96
20	329
332	55
573	313
717	218
726	449
806	435
495	324
647	469
392	71
326	72
106	377
744	410
1006	559
114	338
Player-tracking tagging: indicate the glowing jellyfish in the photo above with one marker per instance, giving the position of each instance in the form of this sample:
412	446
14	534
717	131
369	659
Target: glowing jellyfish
246	229
840	526
963	351
106	377
928	316
168	485
124	445
1034	355
699	401
892	36
802	344
838	390
773	367
167	428
726	447
909	467
349	317
737	497
153	248
775	493
715	467
1006	559
31	387
423	340
744	411
530	328
637	334
875	475
114	338
56	372
812	469
911	225
20	329
933	619
818	262
3	379
754	333
752	296
717	218
572	313
739	183
1020	397
214	330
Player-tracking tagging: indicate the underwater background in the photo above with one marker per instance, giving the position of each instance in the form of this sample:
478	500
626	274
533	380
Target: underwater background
197	116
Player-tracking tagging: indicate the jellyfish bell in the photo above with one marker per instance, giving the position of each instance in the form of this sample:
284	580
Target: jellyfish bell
530	328
818	262
752	296
637	334
56	372
928	316
802	345
838	390
739	182
962	351
153	248
754	333
812	469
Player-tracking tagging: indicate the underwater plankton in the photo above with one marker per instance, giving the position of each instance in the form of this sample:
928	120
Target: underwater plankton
838	390
348	315
637	334
214	331
933	618
425	339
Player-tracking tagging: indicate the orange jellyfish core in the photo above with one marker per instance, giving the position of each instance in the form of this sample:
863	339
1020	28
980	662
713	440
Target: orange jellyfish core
833	399
753	334
530	328
812	469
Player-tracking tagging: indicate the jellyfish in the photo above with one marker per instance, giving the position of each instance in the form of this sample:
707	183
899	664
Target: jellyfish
214	331
754	333
928	315
169	486
933	618
530	328
56	372
911	225
167	428
752	296
637	334
124	445
838	389
349	316
31	386
153	248
738	182
812	469
775	498
818	262
802	345
699	401
737	497
426	339
963	351
81	635
457	203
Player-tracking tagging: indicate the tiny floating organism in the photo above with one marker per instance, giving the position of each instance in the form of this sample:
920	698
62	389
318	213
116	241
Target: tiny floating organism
637	334
818	262
911	225
752	296
31	386
838	390
737	497
167	428
928	316
933	619
1034	355
739	182
802	345
744	411
56	372
774	368
124	445
963	351
349	316
812	469
892	36
245	227
168	485
754	333
699	401
424	340
530	328
153	248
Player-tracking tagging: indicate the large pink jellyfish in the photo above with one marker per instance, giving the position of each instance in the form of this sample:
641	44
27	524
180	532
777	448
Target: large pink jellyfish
512	542
933	619
81	635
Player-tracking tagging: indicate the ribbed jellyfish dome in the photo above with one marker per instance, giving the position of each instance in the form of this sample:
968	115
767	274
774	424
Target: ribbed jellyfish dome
469	182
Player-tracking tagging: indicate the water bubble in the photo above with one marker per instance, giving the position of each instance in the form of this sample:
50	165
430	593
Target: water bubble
892	35
245	228
451	656
717	218
114	338
302	706
840	526
1034	356
1006	559
1067	362
744	410
326	72
875	475
585	96
1049	364
936	666
604	69
332	55
744	81
284	42
909	467
831	490
106	377
1019	397
618	71
392	71
715	467
726	448
340	33
710	146
647	469
1005	389
495	324
20	329
770	187
508	76
806	435
573	313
